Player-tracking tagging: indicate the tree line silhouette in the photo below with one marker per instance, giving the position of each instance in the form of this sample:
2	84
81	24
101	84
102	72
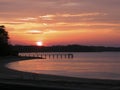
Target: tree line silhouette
67	48
5	48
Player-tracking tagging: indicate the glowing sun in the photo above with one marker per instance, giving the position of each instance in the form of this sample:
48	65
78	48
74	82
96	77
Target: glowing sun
39	43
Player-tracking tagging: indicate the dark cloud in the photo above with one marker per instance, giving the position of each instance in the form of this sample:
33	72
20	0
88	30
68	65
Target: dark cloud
12	23
58	6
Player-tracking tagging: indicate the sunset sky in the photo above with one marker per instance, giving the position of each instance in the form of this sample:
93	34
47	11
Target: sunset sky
62	22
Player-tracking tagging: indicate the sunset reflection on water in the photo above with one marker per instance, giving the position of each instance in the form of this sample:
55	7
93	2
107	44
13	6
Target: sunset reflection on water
94	65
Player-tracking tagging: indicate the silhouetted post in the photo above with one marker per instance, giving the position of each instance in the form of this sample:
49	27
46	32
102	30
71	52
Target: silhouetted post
57	55
53	55
49	55
65	55
61	55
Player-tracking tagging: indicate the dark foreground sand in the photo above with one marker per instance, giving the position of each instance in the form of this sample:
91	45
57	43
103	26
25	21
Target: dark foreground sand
11	79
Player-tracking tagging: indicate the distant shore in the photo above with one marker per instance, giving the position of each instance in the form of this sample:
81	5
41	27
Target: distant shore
12	79
66	48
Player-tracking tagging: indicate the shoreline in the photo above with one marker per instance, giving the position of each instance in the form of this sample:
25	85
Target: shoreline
14	78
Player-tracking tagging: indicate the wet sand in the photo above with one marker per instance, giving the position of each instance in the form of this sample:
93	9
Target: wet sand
15	79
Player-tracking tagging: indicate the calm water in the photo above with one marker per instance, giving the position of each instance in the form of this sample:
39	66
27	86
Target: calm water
101	65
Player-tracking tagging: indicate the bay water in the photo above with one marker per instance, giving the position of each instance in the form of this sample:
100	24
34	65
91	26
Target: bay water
97	65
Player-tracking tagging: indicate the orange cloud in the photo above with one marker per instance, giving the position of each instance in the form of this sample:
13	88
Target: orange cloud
61	21
28	19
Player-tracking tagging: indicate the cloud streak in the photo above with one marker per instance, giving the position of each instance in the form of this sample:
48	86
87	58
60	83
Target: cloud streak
22	16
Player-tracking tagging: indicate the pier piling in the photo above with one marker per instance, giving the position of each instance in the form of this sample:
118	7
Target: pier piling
47	55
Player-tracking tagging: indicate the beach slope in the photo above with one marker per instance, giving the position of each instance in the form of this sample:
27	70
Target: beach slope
12	79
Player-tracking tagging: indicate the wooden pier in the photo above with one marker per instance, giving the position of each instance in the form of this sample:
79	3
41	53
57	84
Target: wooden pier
46	55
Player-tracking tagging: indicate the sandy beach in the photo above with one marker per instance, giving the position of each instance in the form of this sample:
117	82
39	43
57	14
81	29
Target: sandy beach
13	79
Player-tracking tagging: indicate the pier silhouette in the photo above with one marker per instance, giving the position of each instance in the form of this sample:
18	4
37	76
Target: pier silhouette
47	55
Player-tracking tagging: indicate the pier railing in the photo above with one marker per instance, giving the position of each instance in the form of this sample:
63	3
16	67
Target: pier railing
46	55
